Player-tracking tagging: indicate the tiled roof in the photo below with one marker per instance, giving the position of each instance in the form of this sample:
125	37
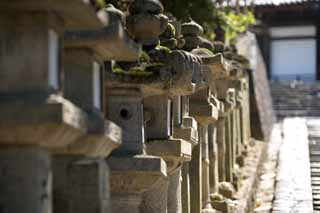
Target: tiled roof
281	2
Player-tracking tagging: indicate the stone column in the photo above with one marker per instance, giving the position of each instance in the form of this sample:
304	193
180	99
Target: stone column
239	85
205	172
225	124
185	191
213	148
156	198
25	171
213	156
133	173
175	151
80	184
205	113
131	177
240	128
231	107
221	143
246	111
228	141
195	167
185	128
174	193
35	119
235	136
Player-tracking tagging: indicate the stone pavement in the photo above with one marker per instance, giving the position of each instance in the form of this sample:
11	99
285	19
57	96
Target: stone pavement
293	193
267	174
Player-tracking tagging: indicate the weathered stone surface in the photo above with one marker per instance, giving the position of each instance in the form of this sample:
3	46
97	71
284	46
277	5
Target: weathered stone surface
160	110
77	179
188	130
185	188
51	124
146	21
175	79
101	139
133	176
25	172
261	111
136	25
195	169
174	152
111	42
156	199
191	28
206	202
68	10
174	193
201	109
23	73
219	66
221	138
191	32
213	157
226	189
82	65
222	206
125	110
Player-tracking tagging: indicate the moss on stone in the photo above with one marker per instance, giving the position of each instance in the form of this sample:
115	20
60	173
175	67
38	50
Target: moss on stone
163	48
134	71
144	57
205	50
216	197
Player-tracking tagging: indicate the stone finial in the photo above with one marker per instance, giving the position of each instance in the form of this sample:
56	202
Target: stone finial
191	28
191	32
146	6
145	22
168	37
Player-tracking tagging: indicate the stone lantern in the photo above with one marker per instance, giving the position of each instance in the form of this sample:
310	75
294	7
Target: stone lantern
35	119
225	134
241	108
141	105
184	127
159	142
204	113
84	54
160	136
214	68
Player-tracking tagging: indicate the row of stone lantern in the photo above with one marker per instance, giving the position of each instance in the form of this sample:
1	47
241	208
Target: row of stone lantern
89	126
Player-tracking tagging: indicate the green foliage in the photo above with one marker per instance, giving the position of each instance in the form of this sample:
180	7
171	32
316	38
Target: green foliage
210	17
234	23
202	11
